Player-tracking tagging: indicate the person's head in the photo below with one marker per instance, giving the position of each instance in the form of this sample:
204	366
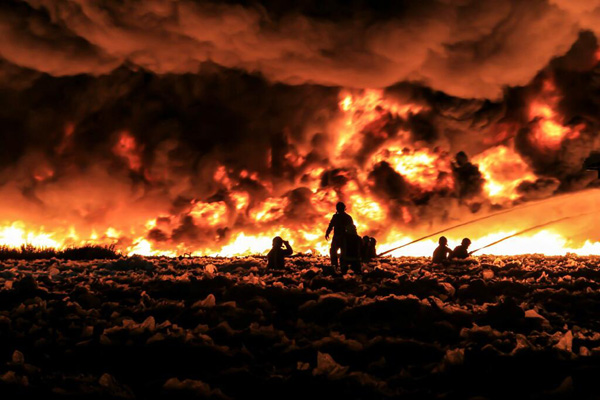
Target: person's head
277	241
466	242
443	241
340	207
351	229
366	239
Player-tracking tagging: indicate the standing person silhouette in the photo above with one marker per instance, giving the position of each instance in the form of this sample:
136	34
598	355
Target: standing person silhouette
338	224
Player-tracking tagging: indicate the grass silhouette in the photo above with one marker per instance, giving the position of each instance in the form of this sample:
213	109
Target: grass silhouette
86	252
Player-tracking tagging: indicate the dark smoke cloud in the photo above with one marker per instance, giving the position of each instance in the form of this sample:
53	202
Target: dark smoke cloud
540	189
59	137
30	38
177	120
464	48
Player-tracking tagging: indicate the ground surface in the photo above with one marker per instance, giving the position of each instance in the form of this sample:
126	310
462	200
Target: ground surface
518	327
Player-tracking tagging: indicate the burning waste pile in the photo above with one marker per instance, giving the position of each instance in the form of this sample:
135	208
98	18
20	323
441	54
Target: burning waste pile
219	161
507	327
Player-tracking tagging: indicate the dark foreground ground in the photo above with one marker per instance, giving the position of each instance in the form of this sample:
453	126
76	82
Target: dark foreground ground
515	327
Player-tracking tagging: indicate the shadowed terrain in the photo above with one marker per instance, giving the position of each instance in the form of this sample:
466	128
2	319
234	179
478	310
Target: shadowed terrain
228	328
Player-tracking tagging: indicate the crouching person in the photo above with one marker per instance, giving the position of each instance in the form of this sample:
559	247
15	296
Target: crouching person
440	254
276	257
368	250
351	250
461	252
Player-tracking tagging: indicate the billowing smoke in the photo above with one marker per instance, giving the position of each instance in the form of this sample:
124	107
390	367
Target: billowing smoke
464	48
188	123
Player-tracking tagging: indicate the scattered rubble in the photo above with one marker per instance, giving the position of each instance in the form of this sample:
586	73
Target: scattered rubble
509	327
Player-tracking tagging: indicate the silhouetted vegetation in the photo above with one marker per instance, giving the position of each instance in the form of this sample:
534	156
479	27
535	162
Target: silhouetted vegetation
87	252
90	252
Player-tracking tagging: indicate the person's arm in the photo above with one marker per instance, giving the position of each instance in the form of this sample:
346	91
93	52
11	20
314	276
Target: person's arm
330	227
288	251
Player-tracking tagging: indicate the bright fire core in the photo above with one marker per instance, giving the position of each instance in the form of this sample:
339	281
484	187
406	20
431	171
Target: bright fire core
400	190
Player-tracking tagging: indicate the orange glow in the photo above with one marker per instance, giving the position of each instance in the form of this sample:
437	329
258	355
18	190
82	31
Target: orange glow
43	172
221	176
548	129
360	110
419	167
16	234
270	210
209	213
406	215
128	149
548	241
247	209
503	170
241	200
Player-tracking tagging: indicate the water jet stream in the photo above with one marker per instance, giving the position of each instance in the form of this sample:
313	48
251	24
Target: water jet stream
533	228
487	217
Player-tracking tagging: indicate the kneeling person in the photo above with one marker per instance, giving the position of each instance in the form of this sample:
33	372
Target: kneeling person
440	254
461	252
276	257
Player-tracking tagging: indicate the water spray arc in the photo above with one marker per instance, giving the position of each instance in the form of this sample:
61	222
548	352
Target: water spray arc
533	228
524	206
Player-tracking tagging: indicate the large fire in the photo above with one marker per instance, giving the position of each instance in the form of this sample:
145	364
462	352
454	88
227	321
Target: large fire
503	170
548	130
240	219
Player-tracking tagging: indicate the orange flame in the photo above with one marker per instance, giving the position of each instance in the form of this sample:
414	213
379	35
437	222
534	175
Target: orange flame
548	129
503	170
240	222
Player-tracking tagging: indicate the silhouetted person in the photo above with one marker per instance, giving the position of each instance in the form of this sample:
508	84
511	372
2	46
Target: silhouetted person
276	257
364	249
351	250
461	251
372	248
440	254
338	224
368	250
